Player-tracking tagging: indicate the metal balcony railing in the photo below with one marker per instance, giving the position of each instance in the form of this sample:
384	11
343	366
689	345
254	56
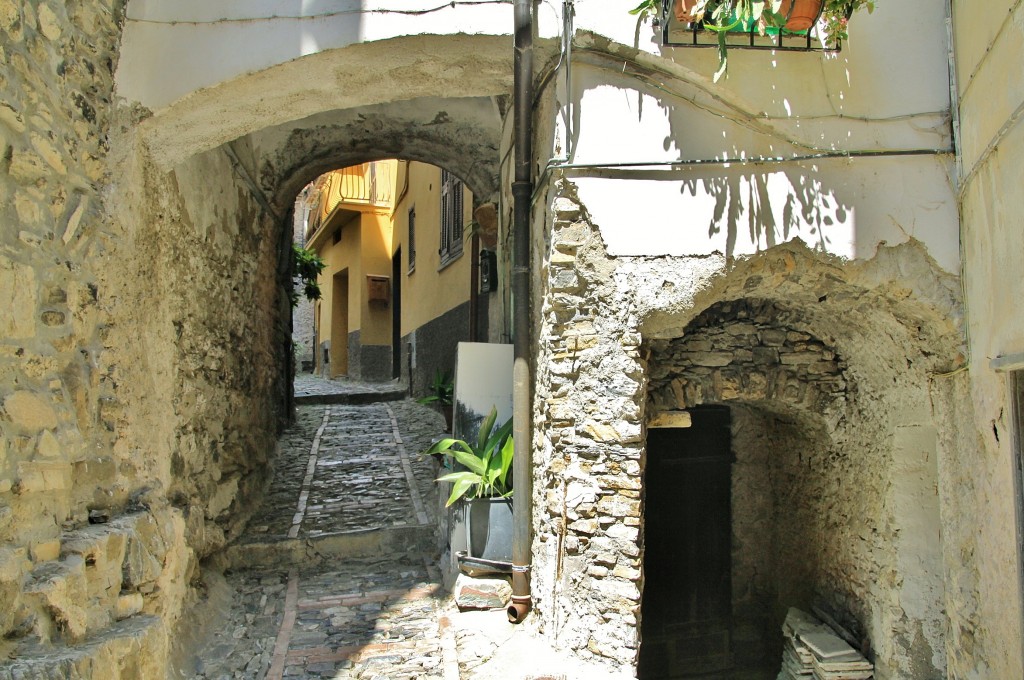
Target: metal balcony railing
676	33
368	184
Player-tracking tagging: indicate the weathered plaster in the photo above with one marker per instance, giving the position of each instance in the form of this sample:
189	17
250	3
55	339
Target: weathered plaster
593	376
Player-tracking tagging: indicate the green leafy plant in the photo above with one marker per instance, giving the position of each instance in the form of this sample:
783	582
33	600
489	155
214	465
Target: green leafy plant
836	14
487	462
307	267
441	390
722	16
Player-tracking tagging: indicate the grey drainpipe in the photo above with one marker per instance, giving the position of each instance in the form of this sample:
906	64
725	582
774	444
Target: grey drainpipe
522	188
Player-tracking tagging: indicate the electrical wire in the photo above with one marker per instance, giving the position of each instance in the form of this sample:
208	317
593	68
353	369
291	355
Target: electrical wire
988	52
642	166
324	15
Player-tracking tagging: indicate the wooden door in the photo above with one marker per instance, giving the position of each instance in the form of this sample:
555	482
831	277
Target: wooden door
687	600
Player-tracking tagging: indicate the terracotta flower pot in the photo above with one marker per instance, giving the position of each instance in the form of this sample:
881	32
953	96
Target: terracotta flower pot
802	13
684	10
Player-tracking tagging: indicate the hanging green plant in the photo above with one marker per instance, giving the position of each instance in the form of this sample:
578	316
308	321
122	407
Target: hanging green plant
722	16
307	267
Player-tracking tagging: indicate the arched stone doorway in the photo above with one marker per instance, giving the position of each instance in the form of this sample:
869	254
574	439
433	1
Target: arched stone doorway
831	505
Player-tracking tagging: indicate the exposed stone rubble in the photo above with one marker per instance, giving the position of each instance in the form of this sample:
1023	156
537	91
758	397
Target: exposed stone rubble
91	609
746	349
812	649
482	592
820	361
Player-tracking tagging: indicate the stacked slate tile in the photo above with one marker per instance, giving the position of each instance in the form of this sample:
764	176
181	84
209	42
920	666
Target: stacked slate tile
813	651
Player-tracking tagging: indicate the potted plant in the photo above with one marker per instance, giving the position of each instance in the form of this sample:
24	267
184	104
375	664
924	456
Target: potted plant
441	393
722	16
484	485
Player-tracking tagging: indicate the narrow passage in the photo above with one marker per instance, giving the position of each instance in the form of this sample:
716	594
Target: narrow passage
345	474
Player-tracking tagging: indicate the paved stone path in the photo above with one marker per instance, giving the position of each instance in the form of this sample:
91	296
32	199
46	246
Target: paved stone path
346	610
365	618
341	469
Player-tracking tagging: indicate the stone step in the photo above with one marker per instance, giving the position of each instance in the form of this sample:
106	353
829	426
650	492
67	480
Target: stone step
91	578
314	550
354	398
132	649
102	574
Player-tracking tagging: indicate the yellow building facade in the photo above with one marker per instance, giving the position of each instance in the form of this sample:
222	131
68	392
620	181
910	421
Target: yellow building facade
398	290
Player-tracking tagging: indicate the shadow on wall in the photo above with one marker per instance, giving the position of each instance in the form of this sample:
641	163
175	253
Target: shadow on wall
745	198
721	178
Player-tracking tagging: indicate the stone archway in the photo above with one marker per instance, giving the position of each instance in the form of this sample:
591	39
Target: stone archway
832	506
202	202
892	321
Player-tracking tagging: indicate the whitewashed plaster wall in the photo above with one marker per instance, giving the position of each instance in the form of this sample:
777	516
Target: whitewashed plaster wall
626	253
991	98
171	49
775	106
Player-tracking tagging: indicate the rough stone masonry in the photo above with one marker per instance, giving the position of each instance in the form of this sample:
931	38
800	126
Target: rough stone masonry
133	365
824	365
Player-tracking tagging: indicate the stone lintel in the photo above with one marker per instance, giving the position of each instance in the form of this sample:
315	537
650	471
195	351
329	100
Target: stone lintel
670	419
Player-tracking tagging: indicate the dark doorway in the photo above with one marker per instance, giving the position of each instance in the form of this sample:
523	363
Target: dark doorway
686	628
396	314
338	353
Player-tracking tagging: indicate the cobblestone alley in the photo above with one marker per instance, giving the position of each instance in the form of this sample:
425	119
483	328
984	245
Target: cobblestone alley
337	577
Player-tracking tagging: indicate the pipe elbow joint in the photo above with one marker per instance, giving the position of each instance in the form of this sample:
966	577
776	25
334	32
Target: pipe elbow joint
520	607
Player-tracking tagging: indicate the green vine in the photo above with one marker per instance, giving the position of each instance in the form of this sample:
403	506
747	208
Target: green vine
307	267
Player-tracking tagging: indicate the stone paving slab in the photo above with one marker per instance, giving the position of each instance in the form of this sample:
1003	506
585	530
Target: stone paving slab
337	585
343	468
365	618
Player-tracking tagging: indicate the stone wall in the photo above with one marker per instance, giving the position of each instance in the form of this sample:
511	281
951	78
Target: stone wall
755	638
203	328
87	553
832	364
141	338
56	386
303	312
746	349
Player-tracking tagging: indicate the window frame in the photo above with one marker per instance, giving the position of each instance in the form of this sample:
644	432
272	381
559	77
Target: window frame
452	222
411	241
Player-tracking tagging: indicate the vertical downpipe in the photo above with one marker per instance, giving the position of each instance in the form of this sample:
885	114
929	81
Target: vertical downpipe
474	289
522	413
